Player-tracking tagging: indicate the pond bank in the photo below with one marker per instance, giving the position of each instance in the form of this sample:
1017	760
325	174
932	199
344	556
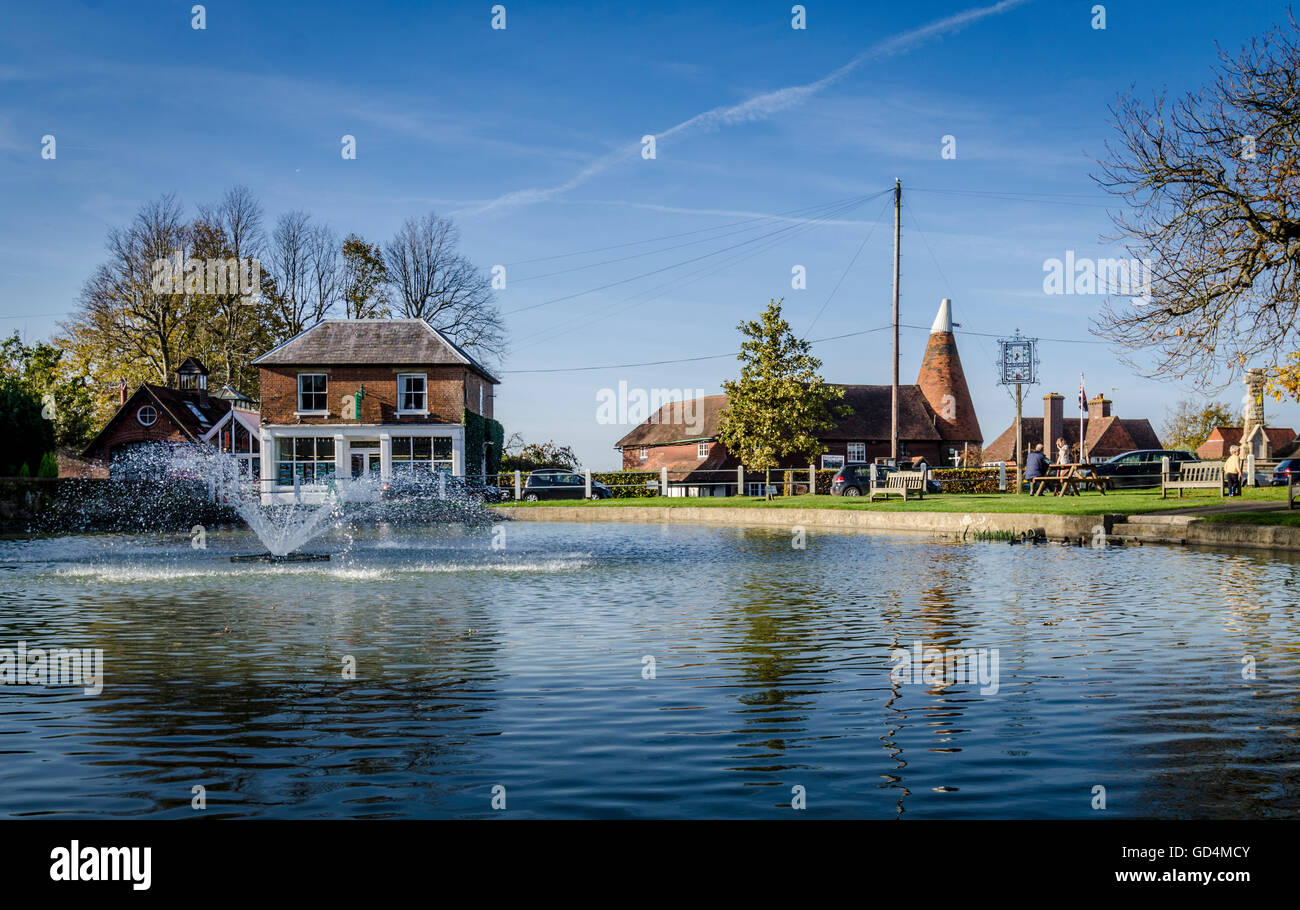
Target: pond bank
1118	527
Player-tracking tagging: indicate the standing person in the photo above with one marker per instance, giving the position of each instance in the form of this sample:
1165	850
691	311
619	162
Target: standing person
1232	471
1062	452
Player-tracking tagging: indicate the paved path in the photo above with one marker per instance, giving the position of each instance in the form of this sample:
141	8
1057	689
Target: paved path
1228	506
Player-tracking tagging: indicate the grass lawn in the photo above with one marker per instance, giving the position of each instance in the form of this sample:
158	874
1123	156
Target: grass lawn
1288	518
1089	503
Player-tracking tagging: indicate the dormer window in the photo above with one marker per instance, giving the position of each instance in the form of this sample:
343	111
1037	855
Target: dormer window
312	394
193	382
412	393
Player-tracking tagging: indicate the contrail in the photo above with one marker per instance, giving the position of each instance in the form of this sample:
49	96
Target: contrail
758	107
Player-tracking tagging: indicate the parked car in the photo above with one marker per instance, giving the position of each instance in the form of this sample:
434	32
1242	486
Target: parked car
1141	467
855	480
1285	468
557	483
413	487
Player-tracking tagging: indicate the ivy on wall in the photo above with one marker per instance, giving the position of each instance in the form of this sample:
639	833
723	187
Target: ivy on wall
480	430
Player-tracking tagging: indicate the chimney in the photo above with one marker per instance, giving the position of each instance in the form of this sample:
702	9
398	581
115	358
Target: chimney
1098	407
121	391
1053	422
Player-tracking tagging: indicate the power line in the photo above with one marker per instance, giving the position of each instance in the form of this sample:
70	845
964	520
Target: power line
656	363
641	297
847	269
843	209
808	212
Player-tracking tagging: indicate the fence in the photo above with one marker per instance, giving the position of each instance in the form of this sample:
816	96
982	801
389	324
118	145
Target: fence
738	481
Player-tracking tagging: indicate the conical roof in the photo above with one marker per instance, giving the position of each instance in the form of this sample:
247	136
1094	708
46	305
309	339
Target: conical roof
943	383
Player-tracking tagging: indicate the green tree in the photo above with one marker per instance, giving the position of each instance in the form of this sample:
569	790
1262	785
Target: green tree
364	280
532	456
1192	421
49	466
27	434
56	383
780	403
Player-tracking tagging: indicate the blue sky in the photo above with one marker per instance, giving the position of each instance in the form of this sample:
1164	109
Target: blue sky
529	138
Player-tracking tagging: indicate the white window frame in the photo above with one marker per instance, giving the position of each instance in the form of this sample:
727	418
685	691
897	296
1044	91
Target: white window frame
401	395
755	488
303	412
848	453
140	410
701	450
643	454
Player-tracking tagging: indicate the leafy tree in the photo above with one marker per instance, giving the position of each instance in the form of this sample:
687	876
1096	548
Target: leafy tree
780	403
521	456
1211	187
1192	421
60	387
28	436
364	280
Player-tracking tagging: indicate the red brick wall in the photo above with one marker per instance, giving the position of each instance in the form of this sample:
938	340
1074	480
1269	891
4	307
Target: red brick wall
659	456
450	391
127	429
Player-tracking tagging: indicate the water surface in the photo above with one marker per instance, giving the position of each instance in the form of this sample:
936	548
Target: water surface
523	667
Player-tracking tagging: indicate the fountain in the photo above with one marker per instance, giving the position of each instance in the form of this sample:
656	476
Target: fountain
168	487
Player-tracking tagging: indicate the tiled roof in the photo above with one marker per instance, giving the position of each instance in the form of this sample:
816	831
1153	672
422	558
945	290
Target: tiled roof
870	419
183	410
352	342
1105	436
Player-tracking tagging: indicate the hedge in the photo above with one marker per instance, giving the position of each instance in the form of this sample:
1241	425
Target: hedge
971	480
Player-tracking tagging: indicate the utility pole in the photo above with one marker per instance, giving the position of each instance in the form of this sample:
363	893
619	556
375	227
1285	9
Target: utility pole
893	403
1019	445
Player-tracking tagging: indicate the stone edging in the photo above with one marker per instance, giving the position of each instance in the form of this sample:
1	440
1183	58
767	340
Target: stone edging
1149	528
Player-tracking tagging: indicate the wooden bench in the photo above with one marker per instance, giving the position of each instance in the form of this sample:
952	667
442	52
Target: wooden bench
900	483
1198	475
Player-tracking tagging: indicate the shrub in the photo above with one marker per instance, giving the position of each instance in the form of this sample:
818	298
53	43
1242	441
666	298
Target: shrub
629	484
970	480
49	466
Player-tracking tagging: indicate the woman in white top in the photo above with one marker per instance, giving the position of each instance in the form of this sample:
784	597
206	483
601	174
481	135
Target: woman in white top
1062	452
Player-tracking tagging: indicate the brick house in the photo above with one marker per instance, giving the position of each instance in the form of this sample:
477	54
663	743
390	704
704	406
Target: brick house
352	398
157	419
1105	435
936	420
1282	442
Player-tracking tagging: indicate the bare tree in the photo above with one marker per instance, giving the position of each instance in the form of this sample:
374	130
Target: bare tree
128	325
1213	202
434	282
289	259
237	219
324	273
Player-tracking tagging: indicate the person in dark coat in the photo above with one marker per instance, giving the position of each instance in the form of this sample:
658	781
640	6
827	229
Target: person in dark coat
1036	463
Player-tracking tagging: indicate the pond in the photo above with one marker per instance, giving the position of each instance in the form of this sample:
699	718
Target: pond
622	670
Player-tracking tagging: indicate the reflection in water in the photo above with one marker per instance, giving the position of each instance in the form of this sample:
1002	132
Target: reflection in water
522	667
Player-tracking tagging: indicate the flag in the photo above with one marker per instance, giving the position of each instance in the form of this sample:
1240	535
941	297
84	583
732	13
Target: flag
1083	396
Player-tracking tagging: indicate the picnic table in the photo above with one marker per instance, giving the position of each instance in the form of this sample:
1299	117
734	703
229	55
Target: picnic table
1066	479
